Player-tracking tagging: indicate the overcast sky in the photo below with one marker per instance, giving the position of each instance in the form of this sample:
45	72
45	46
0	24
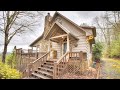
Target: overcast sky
25	40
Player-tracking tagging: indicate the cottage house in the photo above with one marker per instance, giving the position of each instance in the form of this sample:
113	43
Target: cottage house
63	35
60	37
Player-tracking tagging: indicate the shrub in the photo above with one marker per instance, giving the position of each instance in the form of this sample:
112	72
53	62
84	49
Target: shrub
97	51
8	73
10	60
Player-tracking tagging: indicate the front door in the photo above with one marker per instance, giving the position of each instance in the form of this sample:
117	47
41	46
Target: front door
64	48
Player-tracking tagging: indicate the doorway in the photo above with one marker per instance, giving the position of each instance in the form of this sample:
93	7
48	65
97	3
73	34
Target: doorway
64	47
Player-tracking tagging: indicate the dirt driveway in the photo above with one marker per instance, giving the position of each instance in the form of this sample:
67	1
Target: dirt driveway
110	69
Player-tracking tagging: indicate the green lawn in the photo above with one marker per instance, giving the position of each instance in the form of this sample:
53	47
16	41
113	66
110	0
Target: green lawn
110	69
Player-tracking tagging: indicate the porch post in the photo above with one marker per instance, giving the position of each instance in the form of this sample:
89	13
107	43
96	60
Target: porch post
36	52
61	48
49	45
32	49
36	49
68	43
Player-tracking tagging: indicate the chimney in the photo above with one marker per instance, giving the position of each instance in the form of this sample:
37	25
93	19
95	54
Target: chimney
48	16
47	23
47	19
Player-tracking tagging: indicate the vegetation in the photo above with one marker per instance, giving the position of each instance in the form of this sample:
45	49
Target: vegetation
16	23
97	51
115	49
8	73
7	70
109	33
10	60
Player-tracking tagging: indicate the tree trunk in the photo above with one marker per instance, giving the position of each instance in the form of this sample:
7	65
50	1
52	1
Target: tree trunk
5	47
4	53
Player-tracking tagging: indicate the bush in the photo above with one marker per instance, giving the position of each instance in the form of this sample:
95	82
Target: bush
10	60
97	51
8	73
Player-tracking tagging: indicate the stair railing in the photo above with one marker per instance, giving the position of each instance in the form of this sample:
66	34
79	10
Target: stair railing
37	63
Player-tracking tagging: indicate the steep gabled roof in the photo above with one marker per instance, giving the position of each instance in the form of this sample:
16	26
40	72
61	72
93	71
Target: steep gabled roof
57	13
80	27
63	28
93	29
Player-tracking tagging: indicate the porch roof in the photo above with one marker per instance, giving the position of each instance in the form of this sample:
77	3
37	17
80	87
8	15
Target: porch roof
34	42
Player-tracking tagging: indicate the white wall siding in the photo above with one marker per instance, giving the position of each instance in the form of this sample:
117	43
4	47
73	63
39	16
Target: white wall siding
82	46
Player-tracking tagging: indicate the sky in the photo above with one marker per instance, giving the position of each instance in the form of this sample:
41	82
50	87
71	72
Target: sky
26	39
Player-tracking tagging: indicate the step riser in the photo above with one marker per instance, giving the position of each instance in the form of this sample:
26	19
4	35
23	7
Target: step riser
49	70
39	76
49	64
50	67
45	71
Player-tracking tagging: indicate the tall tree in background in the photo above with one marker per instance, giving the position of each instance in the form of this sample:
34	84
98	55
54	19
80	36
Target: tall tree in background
15	23
109	25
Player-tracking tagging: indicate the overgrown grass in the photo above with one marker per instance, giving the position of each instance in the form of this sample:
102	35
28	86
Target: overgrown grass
111	68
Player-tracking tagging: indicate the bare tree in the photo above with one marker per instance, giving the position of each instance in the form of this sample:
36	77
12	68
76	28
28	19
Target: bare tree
15	23
113	20
109	25
100	23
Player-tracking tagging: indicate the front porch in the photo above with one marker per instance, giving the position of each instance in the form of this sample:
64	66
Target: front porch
60	41
59	45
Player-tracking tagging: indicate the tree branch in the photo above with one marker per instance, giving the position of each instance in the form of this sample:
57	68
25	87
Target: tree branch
14	34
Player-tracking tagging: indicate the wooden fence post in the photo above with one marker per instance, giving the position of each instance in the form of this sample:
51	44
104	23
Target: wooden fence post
30	66
54	70
98	70
20	57
82	61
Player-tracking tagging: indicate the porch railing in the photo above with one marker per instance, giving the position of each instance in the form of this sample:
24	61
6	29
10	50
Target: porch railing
24	57
70	62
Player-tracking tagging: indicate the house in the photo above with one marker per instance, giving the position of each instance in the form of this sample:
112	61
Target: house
60	37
